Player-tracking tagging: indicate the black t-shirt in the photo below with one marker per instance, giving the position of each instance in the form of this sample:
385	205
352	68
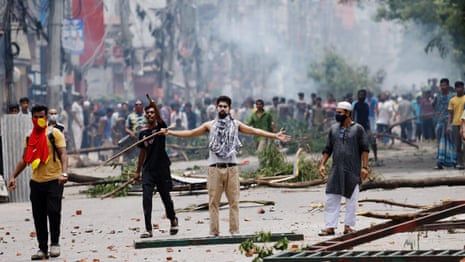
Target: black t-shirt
361	112
155	153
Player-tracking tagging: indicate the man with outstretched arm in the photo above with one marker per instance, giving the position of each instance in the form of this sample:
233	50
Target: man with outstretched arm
223	175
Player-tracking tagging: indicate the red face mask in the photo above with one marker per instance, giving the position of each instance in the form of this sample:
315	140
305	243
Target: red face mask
39	122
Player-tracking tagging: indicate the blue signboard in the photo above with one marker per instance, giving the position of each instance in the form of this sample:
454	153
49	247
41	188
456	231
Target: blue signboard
73	36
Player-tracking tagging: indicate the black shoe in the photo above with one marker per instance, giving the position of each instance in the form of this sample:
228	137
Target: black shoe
174	226
438	167
459	167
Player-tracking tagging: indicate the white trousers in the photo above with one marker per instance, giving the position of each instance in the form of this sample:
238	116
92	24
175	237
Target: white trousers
333	207
77	135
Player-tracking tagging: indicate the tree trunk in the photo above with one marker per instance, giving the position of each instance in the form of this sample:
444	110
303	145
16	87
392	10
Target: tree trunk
424	182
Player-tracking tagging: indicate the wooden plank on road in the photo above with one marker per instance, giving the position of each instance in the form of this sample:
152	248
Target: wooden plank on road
211	240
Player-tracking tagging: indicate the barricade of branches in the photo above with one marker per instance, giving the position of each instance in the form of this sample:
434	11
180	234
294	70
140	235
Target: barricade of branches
102	189
250	248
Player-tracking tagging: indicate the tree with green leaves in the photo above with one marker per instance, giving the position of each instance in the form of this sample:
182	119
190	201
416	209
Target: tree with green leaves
443	20
334	73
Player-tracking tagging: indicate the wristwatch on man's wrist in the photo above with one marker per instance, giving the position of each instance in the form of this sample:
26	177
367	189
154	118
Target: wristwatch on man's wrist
64	175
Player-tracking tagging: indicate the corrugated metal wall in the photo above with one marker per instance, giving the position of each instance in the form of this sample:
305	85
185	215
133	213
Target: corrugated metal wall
14	129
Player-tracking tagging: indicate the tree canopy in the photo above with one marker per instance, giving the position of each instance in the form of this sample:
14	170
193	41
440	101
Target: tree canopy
336	75
444	20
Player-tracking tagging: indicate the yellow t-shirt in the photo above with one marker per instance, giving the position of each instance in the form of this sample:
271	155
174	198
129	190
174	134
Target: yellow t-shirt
52	169
456	106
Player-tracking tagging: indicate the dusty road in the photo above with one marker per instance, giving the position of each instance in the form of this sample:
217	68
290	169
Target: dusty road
107	228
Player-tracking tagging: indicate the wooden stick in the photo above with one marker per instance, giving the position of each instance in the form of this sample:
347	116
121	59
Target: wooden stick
381	134
94	183
304	184
92	149
385	201
409	119
204	206
119	188
129	148
401	217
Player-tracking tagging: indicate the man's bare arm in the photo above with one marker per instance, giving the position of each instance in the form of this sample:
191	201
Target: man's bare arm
245	129
204	128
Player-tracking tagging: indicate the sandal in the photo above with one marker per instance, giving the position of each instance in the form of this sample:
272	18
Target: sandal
174	226
326	232
348	231
146	235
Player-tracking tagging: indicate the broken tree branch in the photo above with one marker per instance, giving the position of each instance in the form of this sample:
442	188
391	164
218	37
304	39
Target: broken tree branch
129	148
315	182
204	206
73	177
424	182
398	217
385	201
381	134
119	188
94	183
92	149
390	127
279	179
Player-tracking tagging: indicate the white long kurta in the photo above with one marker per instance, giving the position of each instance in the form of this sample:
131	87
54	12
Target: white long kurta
77	110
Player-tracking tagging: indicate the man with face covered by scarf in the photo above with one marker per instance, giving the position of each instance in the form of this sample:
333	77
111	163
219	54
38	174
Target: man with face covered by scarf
348	144
223	175
47	181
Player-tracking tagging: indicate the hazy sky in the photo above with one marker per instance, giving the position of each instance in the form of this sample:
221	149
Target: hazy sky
291	35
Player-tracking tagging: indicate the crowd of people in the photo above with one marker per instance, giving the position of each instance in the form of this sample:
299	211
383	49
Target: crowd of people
437	114
414	117
433	114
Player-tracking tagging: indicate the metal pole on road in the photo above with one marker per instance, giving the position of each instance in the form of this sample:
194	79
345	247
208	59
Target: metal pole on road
8	52
54	68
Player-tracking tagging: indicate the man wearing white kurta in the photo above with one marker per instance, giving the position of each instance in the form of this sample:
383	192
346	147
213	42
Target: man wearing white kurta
77	124
348	144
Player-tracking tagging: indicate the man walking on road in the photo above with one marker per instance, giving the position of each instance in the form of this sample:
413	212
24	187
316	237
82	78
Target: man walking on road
348	144
49	164
223	172
155	166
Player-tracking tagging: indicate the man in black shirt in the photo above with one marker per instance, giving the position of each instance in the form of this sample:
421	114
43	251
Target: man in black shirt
360	115
155	166
361	110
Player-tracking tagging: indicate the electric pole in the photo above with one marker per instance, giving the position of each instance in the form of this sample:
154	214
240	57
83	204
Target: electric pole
8	54
54	55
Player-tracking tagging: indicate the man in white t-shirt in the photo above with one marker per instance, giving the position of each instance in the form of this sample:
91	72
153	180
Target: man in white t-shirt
385	112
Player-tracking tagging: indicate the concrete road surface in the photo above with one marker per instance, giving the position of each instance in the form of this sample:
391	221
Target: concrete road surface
105	230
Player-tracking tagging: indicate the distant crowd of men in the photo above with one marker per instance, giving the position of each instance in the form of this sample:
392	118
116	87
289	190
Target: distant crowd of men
432	114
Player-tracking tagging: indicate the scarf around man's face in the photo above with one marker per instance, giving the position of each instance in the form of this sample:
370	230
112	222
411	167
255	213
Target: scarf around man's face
224	139
36	148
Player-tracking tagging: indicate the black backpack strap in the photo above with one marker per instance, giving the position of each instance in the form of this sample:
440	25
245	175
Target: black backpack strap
51	138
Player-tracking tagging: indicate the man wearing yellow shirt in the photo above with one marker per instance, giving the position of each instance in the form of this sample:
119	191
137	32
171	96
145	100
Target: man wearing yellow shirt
49	164
454	122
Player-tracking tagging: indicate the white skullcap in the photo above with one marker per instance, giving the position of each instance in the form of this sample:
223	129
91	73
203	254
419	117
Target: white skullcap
86	103
344	105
